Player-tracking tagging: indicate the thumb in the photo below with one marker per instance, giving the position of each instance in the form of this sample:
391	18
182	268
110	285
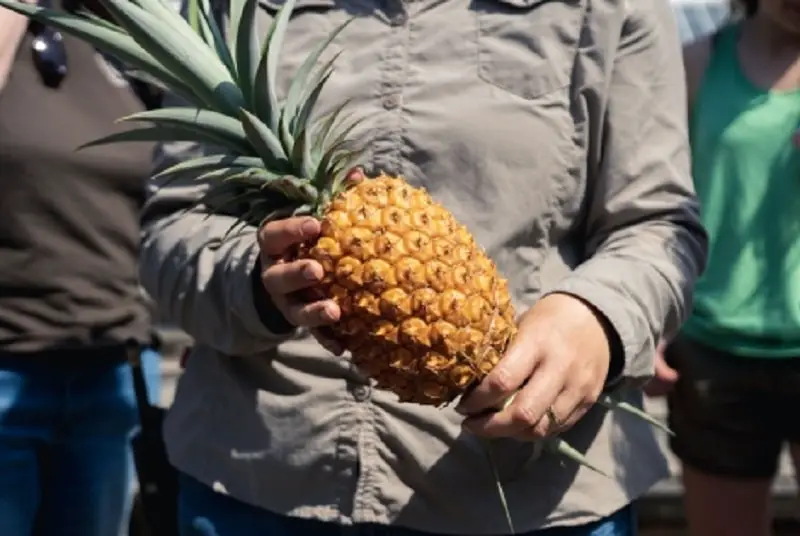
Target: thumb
278	236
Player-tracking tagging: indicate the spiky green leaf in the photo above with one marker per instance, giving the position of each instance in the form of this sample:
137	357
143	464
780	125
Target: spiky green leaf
99	21
267	73
304	114
301	154
215	124
300	79
182	55
148	32
176	23
194	18
264	141
207	163
243	18
294	188
217	39
156	134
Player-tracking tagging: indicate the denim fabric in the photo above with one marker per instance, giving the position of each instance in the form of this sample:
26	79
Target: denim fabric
65	461
204	512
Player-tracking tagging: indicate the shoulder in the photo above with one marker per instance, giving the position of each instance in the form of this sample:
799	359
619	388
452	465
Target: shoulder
650	15
637	27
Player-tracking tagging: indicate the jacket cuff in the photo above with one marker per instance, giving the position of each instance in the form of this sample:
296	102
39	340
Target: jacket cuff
256	310
270	316
630	346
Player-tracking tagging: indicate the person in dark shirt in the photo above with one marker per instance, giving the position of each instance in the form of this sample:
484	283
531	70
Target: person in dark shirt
69	293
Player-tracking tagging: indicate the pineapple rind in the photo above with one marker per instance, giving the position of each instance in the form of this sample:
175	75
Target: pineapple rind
424	311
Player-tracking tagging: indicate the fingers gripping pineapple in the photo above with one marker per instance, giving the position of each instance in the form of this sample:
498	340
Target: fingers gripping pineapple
424	311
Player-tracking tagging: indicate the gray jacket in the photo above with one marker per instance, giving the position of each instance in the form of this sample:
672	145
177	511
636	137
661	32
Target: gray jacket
556	131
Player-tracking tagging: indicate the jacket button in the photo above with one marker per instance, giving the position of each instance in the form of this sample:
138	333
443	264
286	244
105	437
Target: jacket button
391	102
361	392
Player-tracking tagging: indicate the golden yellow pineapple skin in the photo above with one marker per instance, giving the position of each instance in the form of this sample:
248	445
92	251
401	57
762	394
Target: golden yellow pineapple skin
424	311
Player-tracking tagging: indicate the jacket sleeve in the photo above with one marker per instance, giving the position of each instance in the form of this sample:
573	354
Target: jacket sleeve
645	242
202	280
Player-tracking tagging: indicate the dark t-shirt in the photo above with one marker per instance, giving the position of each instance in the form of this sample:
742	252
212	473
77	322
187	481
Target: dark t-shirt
69	219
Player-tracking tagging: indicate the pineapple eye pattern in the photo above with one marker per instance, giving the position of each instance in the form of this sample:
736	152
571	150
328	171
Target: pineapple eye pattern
418	319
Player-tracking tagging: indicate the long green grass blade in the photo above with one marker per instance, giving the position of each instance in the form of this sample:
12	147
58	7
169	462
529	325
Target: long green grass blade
611	402
264	141
498	482
561	447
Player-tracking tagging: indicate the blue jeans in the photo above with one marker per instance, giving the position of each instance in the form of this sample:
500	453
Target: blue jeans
66	466
203	512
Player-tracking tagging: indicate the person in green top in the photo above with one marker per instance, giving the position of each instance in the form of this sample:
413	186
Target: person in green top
732	376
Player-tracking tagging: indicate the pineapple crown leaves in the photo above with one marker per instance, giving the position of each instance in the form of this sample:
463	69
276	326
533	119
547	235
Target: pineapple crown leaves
230	80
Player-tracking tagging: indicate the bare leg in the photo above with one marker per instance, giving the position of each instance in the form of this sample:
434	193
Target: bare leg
721	506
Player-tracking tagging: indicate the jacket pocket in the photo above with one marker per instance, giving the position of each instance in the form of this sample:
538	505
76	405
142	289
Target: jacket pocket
528	47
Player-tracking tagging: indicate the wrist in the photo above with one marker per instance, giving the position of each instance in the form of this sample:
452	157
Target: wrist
268	313
615	349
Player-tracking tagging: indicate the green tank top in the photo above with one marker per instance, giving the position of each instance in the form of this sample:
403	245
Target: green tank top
747	174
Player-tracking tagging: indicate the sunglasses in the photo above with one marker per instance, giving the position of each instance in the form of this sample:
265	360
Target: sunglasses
49	54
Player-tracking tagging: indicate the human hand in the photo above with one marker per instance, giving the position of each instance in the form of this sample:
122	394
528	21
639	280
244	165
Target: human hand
288	282
555	369
665	376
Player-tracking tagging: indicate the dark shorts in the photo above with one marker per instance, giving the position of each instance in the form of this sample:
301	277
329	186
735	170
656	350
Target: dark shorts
732	415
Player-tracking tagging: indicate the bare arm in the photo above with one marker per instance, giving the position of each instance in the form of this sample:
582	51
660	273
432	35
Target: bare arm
12	28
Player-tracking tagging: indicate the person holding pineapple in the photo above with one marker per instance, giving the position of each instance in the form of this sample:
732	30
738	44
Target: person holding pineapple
733	372
421	246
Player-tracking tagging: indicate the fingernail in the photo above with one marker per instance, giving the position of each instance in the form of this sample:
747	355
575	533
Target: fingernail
309	227
310	273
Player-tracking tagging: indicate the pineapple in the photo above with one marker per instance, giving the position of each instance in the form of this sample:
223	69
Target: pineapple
425	312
